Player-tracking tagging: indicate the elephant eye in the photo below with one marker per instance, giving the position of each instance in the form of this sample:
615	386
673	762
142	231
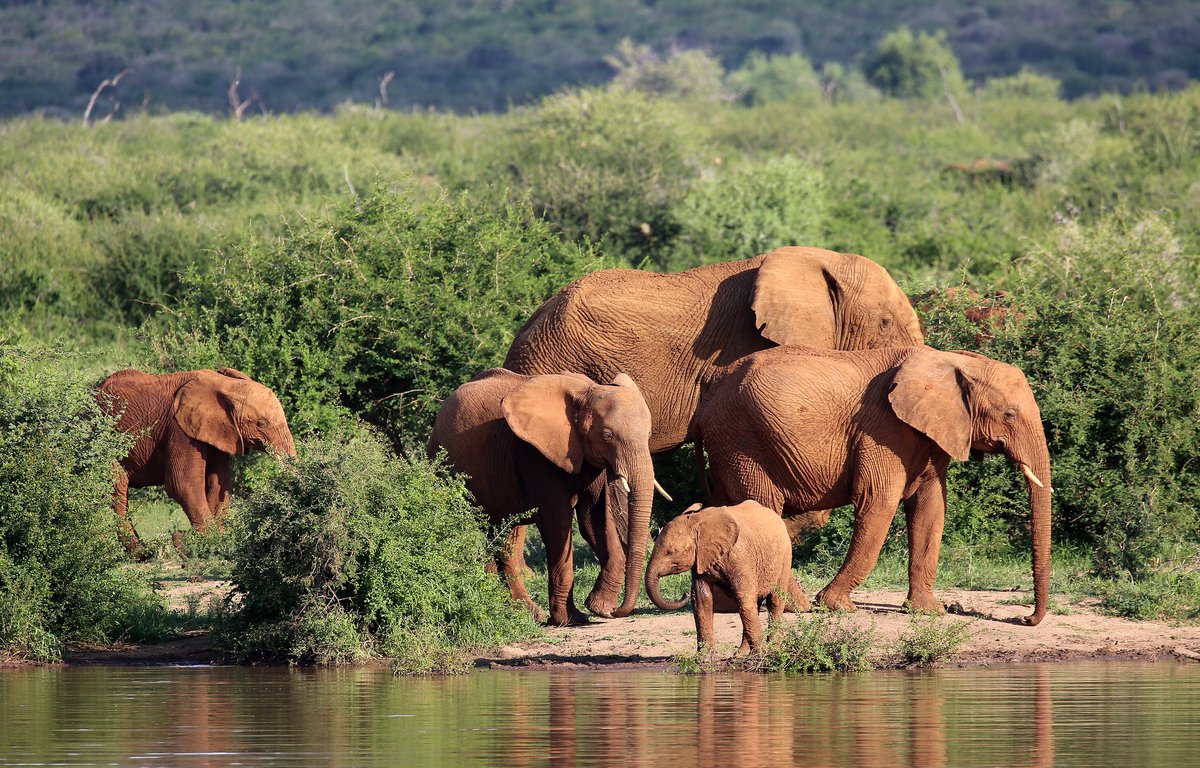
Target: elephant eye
606	434
1010	414
263	422
885	322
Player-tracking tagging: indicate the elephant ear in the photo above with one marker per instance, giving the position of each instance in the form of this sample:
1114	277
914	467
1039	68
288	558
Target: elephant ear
542	412
233	373
793	297
929	394
204	409
715	538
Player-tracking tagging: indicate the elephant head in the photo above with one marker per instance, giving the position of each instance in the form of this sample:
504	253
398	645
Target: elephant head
819	298
233	413
573	421
693	540
966	402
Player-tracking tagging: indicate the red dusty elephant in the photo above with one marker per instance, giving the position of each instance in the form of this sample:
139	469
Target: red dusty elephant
187	426
803	431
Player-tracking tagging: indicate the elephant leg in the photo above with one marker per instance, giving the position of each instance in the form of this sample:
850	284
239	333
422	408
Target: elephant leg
217	485
702	611
777	601
925	513
752	632
797	600
874	509
801	524
509	566
601	534
125	530
554	522
186	481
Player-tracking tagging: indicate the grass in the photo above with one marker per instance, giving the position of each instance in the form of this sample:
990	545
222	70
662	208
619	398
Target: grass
824	642
931	639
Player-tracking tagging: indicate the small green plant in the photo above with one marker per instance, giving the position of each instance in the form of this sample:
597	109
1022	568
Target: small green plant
701	661
351	552
930	639
1159	597
825	642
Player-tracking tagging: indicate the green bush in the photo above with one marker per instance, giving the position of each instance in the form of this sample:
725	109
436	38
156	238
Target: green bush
349	551
1026	84
383	306
931	639
748	209
61	578
1103	325
914	66
822	642
763	79
682	74
606	166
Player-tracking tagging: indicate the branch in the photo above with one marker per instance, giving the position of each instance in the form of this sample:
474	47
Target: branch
383	84
108	82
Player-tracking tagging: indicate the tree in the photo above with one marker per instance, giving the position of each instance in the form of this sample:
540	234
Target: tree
914	66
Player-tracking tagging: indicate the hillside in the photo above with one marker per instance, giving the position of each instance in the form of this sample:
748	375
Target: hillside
468	55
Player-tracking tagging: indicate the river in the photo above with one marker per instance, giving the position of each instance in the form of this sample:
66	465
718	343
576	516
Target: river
1088	714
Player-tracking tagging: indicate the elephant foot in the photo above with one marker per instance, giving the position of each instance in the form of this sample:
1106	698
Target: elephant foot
926	603
602	602
573	618
836	600
798	601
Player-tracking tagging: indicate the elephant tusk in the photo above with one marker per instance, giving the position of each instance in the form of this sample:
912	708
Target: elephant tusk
624	483
662	492
1025	470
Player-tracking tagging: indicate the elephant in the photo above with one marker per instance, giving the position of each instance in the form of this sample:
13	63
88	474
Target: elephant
743	550
186	427
531	443
672	333
803	431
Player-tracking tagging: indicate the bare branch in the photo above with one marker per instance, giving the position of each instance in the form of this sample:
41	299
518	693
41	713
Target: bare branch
108	82
383	84
236	103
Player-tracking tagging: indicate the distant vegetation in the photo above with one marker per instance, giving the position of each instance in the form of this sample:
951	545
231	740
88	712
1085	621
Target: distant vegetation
365	262
466	55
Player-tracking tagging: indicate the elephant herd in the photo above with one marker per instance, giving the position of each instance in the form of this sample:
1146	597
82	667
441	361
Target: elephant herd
802	373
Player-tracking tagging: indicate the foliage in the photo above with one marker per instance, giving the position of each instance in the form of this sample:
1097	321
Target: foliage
762	79
350	551
911	66
1172	596
749	208
468	56
604	166
824	642
1026	84
382	306
683	74
60	563
931	639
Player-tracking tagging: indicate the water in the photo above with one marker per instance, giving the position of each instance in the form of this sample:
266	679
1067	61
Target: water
1093	714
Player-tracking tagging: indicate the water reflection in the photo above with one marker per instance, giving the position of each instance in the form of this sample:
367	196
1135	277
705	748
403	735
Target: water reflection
1081	714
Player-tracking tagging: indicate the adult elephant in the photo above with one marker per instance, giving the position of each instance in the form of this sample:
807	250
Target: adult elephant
673	332
187	426
530	444
804	430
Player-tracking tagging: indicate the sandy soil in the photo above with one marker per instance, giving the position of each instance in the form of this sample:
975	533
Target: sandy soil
652	638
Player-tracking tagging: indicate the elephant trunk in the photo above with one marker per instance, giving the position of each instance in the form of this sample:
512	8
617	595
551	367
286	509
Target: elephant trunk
284	445
655	571
1035	465
639	497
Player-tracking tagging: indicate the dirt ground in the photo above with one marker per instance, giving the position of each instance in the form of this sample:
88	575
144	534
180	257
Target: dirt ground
652	638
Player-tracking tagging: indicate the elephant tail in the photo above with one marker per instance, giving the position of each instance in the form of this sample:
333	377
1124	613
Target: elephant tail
701	470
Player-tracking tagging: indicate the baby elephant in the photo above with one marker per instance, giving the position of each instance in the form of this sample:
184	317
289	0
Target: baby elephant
744	550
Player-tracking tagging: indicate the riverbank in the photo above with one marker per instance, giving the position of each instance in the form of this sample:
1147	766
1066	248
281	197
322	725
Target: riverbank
1073	632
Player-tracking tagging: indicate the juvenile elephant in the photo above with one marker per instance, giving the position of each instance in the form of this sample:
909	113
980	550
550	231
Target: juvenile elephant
535	443
743	550
187	426
803	431
671	333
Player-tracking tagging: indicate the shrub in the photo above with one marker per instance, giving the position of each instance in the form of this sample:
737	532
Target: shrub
604	166
762	79
931	639
60	574
683	74
914	66
350	551
382	306
1026	84
824	642
749	209
1103	325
